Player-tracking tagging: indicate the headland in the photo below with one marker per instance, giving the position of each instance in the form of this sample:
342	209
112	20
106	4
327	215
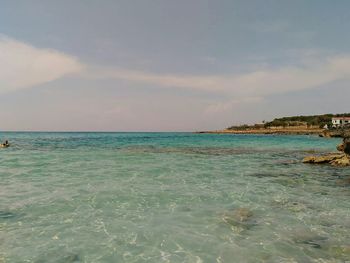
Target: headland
325	125
296	130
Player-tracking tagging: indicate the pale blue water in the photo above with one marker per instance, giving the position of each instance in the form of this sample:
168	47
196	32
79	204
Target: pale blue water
170	197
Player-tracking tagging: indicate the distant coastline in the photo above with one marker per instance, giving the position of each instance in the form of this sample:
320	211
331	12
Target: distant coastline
271	130
326	125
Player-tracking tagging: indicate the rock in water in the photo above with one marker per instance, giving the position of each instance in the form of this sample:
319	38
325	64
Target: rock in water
309	159
346	146
335	159
344	161
340	147
329	158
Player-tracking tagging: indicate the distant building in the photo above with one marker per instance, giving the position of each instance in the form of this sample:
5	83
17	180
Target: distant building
340	121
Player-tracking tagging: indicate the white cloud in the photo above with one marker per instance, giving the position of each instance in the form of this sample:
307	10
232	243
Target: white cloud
22	65
257	83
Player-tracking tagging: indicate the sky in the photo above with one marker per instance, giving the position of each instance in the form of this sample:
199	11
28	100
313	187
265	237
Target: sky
164	65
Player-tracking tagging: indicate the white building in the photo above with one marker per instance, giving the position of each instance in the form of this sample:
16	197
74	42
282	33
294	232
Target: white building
340	121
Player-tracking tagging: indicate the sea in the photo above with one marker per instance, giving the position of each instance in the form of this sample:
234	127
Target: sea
171	197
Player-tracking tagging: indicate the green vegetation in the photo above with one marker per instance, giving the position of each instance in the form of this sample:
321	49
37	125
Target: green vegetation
246	127
312	120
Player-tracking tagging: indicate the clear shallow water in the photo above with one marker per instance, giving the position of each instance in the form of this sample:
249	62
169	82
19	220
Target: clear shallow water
171	197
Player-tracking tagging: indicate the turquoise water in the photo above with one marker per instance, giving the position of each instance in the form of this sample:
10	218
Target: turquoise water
171	197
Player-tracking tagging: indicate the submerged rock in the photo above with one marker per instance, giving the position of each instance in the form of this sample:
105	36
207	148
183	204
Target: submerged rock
344	182
241	218
58	258
243	214
340	252
262	175
294	206
286	181
310	239
7	215
71	258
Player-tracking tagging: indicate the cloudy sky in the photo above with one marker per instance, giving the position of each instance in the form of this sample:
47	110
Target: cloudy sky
164	65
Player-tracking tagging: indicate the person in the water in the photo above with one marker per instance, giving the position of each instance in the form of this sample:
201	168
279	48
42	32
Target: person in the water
5	144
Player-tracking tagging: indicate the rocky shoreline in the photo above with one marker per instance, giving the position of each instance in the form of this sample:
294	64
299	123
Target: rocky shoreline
337	133
341	158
